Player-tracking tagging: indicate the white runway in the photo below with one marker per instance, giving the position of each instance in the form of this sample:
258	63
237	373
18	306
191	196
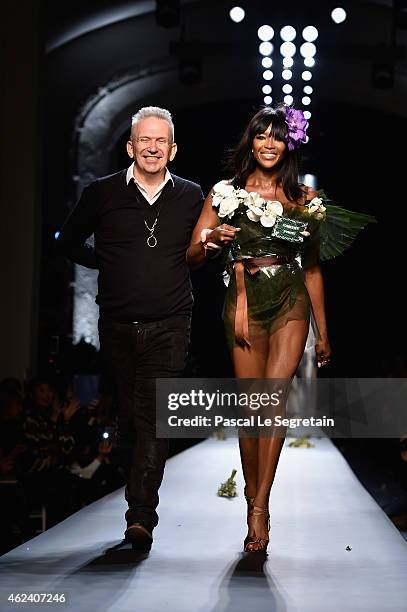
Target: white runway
318	506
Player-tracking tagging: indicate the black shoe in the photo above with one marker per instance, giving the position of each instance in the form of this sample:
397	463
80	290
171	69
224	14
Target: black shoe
139	537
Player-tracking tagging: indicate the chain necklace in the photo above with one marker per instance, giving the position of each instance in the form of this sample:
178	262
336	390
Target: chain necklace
152	240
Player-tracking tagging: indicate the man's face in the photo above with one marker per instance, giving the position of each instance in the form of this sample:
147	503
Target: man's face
150	145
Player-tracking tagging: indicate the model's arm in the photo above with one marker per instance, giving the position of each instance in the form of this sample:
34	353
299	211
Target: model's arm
77	228
315	286
220	235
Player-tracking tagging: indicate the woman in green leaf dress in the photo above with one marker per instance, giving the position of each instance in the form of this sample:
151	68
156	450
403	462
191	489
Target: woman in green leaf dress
276	231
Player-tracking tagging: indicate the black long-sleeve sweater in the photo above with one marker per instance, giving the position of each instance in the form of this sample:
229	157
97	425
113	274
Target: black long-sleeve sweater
135	282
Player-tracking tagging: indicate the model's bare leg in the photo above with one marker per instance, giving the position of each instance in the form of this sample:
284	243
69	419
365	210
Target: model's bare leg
251	363
286	347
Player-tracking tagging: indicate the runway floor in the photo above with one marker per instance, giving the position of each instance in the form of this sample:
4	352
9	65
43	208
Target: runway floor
332	548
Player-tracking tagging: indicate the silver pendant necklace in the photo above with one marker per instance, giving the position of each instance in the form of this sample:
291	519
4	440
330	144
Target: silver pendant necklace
151	240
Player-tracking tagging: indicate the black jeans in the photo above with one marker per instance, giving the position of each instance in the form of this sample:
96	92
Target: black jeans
134	355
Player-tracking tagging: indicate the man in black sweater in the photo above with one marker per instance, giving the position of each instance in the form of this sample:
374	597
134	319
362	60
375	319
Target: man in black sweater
142	220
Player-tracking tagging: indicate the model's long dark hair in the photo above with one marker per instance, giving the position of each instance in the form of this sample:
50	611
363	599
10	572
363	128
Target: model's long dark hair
240	161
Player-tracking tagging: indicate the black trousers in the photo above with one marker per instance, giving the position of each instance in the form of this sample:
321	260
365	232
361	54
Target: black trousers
134	355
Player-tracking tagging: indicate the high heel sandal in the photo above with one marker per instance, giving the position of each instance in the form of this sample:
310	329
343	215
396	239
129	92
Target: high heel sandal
260	544
250	502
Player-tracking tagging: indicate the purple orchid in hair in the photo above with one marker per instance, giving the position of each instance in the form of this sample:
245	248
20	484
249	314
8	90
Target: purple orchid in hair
296	127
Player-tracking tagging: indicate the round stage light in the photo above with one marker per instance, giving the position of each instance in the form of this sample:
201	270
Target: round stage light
288	49
310	33
288	100
308	49
306	75
267	75
266	48
287	75
287	88
307	115
288	33
237	14
268	99
288	62
265	32
266	62
306	101
338	15
266	89
308	90
309	62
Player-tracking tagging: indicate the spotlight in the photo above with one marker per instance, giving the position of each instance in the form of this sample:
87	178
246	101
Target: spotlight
167	13
266	89
310	33
308	90
265	32
287	75
266	62
267	75
287	88
338	15
288	33
266	48
287	49
308	49
237	14
288	62
306	75
307	114
306	100
309	62
288	100
268	99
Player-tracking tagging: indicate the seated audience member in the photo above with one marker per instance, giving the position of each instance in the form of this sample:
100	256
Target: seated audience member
13	508
49	450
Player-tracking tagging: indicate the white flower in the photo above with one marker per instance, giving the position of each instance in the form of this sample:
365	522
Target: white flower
223	188
241	193
227	206
316	202
275	207
305	233
252	216
217	199
315	206
268	219
255	212
255	199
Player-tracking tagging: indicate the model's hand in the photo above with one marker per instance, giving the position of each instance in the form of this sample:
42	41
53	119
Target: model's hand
223	234
323	352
